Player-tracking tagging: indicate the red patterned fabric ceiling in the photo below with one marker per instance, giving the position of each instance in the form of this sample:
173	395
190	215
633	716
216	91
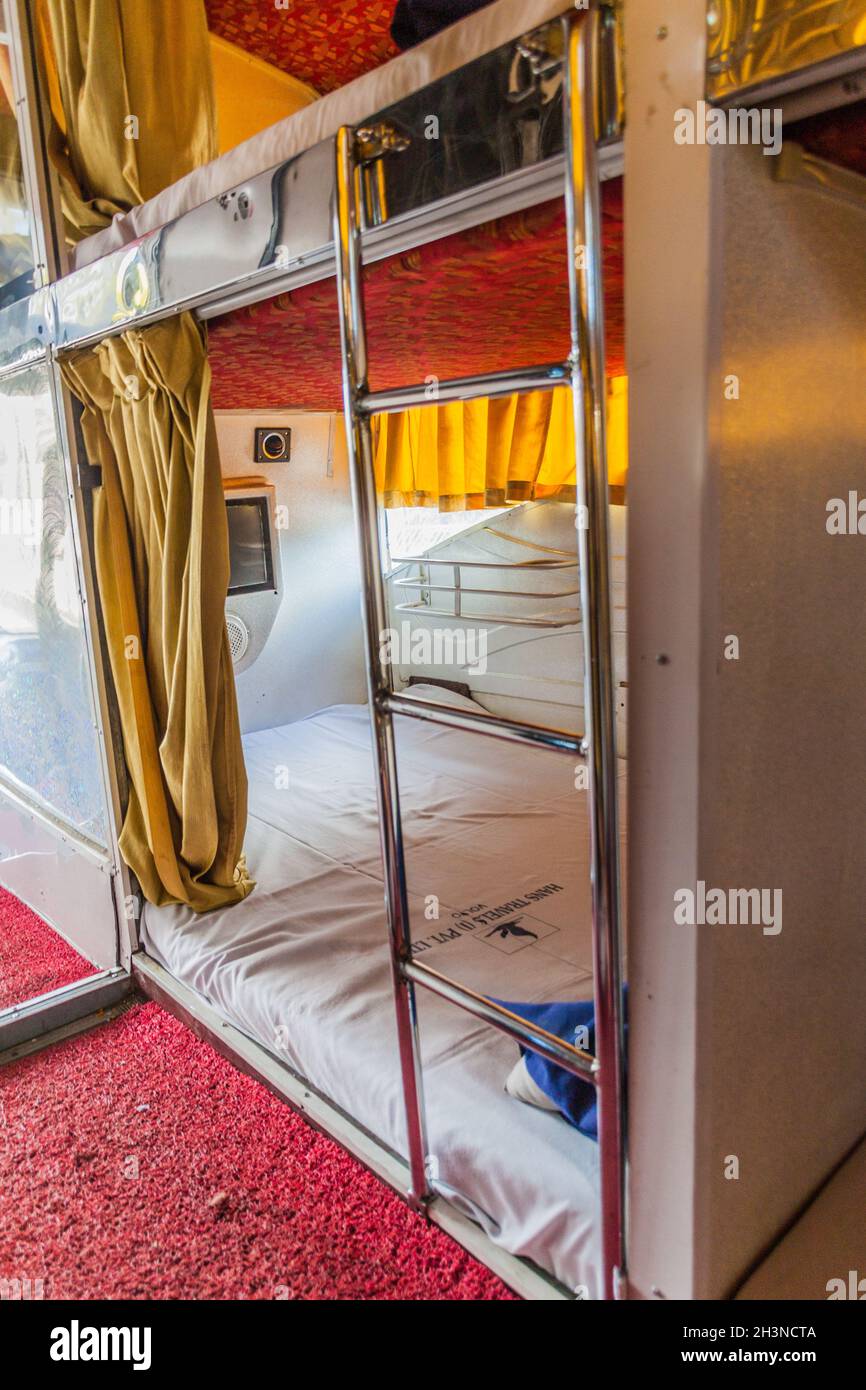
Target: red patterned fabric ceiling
323	42
482	300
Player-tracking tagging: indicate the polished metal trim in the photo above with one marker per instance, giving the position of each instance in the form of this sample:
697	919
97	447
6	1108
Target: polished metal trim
33	1018
513	192
470	722
90	293
586	300
572	1059
353	343
466	388
281	244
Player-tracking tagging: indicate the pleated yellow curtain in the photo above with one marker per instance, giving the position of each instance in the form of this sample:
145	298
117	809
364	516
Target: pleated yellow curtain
132	101
162	564
468	455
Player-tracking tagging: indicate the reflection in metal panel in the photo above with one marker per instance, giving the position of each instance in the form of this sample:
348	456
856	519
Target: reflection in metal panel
752	42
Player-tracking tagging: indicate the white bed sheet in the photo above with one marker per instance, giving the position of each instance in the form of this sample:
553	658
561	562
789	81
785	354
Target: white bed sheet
461	43
302	965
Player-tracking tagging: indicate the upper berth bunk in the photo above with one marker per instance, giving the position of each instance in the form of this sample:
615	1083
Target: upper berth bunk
264	209
490	83
393	85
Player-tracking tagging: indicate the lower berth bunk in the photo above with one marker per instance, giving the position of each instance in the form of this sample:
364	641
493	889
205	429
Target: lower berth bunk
497	833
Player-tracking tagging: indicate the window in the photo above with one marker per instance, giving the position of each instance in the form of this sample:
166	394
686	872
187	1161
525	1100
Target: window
47	723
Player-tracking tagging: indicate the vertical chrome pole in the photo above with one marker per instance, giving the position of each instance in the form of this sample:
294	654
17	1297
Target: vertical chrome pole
353	338
583	222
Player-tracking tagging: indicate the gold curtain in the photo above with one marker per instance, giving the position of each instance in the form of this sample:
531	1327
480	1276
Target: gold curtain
162	564
132	100
486	453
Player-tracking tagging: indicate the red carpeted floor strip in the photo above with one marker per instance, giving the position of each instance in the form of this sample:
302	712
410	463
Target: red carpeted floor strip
137	1163
33	958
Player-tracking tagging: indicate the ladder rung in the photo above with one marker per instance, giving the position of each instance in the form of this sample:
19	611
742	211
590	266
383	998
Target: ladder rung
573	1059
470	722
465	388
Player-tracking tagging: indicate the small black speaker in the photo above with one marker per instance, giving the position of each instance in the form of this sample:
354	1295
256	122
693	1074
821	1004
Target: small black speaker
273	445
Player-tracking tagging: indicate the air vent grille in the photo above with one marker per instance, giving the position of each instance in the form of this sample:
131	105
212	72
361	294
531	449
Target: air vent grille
239	636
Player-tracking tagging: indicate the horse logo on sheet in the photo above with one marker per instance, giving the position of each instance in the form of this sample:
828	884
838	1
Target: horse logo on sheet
505	927
504	930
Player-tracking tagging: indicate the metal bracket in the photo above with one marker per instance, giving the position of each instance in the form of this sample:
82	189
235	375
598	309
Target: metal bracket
372	141
369	145
542	50
538	57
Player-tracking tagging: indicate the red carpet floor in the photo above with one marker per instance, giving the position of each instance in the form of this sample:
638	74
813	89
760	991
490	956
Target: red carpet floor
33	958
137	1163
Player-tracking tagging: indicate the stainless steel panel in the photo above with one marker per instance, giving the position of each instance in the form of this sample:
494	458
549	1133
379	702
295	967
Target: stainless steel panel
758	43
47	867
48	737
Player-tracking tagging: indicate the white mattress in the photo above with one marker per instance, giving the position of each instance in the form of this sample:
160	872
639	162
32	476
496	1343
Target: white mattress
302	965
472	37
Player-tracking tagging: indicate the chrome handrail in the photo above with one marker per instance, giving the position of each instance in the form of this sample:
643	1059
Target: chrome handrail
458	589
586	312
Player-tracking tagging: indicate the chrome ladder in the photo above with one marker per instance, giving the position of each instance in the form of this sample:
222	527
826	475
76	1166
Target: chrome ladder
584	373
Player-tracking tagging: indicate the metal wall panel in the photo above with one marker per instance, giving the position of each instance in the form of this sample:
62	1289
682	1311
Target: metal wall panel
66	883
783	788
752	43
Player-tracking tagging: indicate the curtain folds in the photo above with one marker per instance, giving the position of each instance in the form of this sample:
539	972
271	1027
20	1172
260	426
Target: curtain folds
162	564
132	100
468	455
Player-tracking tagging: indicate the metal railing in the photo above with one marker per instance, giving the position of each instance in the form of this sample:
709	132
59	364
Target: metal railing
458	589
584	373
